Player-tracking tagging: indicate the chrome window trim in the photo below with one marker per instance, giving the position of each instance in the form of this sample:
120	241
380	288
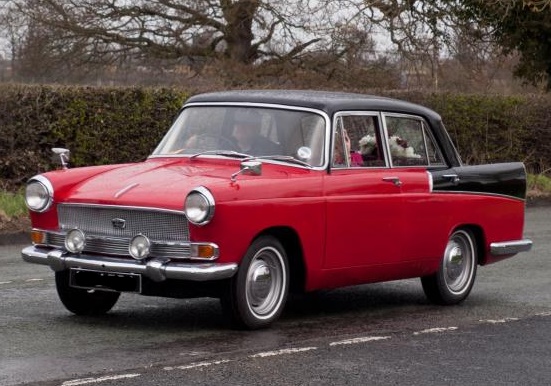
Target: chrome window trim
369	113
423	125
322	113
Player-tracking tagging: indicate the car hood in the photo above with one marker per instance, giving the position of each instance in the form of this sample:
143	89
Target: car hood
165	183
151	182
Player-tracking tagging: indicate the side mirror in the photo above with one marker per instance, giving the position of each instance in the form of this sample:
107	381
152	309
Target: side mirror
63	155
251	168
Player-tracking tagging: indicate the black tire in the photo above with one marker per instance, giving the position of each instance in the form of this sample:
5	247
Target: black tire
455	277
258	292
81	301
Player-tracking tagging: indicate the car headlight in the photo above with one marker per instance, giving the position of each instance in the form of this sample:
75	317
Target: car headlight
75	241
39	194
199	206
140	247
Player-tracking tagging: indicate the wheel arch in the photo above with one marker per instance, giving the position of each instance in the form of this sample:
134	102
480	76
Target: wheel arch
290	241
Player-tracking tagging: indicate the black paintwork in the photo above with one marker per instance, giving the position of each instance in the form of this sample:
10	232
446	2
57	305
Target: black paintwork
507	179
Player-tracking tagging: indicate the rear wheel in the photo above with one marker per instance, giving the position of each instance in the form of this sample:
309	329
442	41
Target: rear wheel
258	291
455	278
81	301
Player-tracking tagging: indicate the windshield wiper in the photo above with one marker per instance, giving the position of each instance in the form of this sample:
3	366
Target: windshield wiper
226	153
284	158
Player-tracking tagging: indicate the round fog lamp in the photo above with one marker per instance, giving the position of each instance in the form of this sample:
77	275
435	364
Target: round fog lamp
75	240
139	247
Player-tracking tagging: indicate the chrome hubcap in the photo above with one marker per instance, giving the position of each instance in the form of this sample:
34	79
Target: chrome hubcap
260	283
265	282
458	262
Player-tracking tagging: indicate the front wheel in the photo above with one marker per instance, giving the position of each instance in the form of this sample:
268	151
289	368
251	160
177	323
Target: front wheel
81	301
455	278
258	291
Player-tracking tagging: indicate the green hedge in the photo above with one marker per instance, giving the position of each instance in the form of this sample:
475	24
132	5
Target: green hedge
98	125
115	125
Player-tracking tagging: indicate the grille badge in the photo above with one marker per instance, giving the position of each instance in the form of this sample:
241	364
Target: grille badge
119	223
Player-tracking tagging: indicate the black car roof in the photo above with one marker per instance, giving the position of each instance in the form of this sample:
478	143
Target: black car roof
328	101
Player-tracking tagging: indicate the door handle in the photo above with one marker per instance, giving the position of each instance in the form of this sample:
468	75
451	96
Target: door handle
395	180
454	178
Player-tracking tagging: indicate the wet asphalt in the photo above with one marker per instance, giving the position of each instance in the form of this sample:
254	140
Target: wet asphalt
383	333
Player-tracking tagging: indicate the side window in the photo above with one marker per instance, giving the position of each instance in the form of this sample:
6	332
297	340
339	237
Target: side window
357	141
410	143
433	151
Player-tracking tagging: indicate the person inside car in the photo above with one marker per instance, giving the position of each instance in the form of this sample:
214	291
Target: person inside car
247	137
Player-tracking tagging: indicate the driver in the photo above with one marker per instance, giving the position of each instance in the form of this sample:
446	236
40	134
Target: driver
246	133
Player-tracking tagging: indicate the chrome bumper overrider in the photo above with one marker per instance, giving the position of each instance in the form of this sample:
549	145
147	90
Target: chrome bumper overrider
510	247
155	269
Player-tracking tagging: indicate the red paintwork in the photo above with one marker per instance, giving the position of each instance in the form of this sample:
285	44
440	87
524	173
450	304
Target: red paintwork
353	226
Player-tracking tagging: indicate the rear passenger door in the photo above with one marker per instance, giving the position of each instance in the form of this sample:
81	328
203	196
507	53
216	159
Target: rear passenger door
363	199
413	152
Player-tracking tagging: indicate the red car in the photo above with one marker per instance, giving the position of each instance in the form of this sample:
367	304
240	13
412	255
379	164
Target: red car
253	194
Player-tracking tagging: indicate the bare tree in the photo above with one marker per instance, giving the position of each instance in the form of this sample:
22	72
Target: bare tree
238	29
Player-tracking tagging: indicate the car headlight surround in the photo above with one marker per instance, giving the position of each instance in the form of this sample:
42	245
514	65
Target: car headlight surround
39	194
199	206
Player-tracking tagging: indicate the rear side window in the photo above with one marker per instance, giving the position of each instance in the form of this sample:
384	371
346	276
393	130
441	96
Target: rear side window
410	142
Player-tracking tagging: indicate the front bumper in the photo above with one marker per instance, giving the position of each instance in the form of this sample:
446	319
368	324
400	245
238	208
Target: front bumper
155	269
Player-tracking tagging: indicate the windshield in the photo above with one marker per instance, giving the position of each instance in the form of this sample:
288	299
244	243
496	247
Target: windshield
247	131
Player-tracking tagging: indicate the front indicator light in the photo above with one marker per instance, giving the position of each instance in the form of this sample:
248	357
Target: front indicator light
204	251
38	237
75	241
140	247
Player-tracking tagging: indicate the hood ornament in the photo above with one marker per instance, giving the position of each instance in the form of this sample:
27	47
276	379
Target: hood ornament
125	189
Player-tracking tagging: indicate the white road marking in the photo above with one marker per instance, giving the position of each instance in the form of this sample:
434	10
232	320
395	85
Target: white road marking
6	282
544	313
497	321
196	365
85	381
282	352
29	280
435	330
359	340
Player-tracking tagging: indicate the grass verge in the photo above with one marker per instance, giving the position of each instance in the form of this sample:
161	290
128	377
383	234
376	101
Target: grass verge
12	205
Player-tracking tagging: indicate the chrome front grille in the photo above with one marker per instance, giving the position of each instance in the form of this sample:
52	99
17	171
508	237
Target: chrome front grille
109	230
106	221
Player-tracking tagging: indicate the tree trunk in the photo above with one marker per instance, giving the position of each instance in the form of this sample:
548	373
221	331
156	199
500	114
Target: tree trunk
239	17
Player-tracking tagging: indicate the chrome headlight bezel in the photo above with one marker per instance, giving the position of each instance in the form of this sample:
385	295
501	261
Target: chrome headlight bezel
39	194
199	206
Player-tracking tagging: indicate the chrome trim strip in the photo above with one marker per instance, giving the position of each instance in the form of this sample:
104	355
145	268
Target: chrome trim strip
510	247
475	193
125	189
116	246
143	208
155	269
